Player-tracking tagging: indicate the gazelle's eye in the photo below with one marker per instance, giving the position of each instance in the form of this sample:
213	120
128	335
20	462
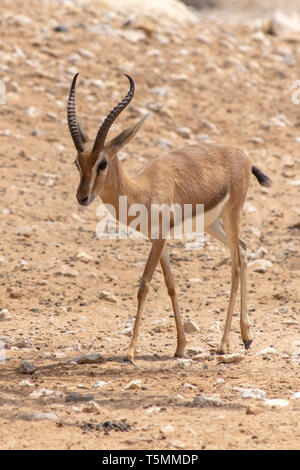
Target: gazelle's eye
102	165
76	164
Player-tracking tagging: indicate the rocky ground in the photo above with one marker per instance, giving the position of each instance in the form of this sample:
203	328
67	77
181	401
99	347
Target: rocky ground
211	75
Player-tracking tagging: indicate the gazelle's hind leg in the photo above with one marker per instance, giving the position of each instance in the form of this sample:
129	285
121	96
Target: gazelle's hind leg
229	235
216	230
170	284
244	320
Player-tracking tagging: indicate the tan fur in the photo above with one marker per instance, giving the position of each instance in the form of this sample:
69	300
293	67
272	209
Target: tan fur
201	174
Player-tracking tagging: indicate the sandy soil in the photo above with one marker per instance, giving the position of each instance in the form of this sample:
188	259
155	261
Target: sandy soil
240	81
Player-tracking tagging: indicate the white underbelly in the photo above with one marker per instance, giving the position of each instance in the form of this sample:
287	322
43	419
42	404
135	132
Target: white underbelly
213	214
200	222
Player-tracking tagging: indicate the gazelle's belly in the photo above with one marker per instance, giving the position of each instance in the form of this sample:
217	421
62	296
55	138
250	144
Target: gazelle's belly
200	221
213	214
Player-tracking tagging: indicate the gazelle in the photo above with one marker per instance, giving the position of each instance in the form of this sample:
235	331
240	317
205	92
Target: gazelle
214	175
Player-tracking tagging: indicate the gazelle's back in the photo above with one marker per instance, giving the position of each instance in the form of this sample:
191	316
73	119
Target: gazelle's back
188	172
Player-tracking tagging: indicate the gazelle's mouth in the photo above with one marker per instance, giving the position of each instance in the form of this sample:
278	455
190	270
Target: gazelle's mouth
86	201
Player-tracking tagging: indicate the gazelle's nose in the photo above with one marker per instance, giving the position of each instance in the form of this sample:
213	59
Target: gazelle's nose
83	201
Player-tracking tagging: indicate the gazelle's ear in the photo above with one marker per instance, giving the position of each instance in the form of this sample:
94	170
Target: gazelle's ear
122	139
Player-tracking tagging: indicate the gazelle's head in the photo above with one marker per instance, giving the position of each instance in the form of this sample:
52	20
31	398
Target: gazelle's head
93	160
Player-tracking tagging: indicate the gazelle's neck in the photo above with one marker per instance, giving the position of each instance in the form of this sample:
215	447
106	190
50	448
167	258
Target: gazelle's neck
118	183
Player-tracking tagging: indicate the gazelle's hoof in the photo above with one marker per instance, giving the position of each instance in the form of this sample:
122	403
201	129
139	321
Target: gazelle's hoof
222	349
179	354
247	344
129	360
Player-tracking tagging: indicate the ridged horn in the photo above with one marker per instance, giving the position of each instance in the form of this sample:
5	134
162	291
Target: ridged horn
111	117
72	120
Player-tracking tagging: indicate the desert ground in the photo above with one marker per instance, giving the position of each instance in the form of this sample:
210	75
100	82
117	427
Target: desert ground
229	74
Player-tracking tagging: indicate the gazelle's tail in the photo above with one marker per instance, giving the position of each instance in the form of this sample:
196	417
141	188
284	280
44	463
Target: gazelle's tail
263	179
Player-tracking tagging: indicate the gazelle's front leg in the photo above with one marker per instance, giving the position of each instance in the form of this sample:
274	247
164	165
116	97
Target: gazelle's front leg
152	261
170	283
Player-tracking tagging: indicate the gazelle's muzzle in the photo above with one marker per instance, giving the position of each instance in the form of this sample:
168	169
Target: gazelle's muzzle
83	193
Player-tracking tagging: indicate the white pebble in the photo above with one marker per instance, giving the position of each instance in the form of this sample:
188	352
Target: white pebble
266	351
133	385
280	402
255	393
5	315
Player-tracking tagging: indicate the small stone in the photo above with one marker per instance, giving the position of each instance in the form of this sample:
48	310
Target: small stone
86	53
104	295
164	144
153	410
83	386
59	355
256	140
188	386
5	315
26	383
61	29
82	256
98	83
215	327
127	331
134	36
265	351
281	24
67	271
277	402
205	124
45	394
296	396
194	350
190	327
73	58
27	368
100	384
51	116
39	416
88	359
167	429
183	363
295	183
219	381
76	397
133	385
207	401
36	132
178	444
184	132
260	265
203	39
231	358
92	407
204	356
249	208
23	231
255	393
